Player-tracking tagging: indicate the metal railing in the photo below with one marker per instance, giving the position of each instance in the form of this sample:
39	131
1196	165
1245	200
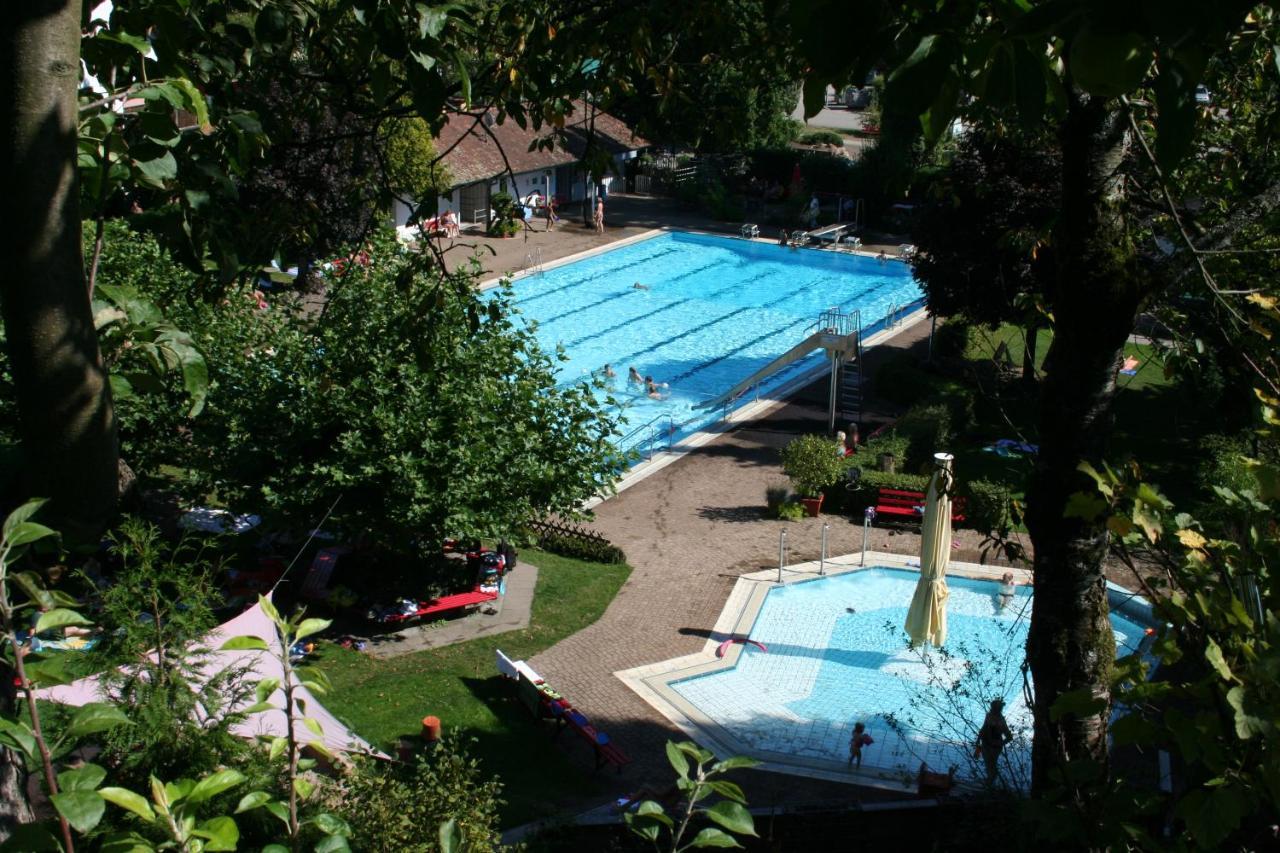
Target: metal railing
658	429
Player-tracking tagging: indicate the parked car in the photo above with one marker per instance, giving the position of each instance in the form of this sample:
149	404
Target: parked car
1202	95
857	98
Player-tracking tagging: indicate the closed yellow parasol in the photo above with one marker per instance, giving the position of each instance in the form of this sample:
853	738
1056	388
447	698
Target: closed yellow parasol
927	617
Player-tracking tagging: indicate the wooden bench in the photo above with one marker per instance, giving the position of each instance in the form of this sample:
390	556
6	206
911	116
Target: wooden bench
900	504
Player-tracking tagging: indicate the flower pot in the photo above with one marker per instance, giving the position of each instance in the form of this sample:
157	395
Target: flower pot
812	506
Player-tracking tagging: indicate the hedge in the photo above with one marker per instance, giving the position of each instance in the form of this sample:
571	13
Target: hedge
986	503
581	549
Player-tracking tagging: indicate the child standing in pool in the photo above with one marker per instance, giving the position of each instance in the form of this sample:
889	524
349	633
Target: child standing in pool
634	377
857	742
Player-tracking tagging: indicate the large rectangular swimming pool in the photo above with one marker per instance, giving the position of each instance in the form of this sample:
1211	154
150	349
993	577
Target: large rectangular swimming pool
710	312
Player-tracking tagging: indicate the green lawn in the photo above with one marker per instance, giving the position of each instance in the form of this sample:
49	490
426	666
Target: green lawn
384	700
1156	420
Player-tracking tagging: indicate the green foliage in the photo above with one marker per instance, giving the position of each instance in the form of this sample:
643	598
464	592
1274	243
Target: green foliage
411	163
888	443
506	215
1224	463
1214	593
871	482
927	429
430	408
393	806
812	463
154	613
821	137
790	511
697	778
987	505
581	547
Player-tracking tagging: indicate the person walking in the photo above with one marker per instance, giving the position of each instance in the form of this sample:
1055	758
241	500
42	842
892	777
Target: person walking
599	217
992	738
552	219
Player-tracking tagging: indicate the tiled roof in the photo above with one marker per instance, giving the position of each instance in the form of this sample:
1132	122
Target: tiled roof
478	152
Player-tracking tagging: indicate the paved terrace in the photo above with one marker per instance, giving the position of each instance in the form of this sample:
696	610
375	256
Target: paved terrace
625	216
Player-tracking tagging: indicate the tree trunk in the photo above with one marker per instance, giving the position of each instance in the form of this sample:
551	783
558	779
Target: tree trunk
14	807
1095	301
64	399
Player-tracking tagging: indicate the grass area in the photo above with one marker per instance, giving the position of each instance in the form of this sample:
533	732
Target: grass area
1156	419
383	700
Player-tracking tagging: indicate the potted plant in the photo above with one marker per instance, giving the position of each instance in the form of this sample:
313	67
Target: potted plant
811	461
505	215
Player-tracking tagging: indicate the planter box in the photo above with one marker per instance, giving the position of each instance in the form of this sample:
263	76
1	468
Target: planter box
812	506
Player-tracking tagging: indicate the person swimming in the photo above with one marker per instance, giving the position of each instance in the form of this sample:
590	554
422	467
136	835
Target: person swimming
655	390
608	372
634	377
639	286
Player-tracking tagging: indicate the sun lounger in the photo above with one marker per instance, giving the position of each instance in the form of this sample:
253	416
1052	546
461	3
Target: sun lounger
899	504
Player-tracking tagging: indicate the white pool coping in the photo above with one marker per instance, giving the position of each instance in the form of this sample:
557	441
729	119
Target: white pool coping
652	682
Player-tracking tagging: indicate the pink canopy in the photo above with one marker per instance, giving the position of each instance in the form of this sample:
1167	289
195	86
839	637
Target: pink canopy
261	665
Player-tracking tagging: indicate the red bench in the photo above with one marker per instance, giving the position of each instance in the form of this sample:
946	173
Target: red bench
907	505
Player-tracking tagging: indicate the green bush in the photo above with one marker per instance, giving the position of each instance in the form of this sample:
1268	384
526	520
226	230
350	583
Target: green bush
902	381
811	463
775	496
927	430
581	548
951	339
505	215
395	806
790	511
821	137
1222	463
868	456
986	505
864	493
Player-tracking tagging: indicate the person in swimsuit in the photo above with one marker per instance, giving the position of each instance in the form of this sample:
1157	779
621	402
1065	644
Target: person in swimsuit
857	742
634	377
992	738
1005	595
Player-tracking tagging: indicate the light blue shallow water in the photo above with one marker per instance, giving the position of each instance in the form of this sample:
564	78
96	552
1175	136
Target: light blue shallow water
837	653
713	311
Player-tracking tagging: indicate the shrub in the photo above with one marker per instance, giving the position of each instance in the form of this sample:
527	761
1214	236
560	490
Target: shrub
868	456
821	137
505	215
951	339
1222	463
811	463
581	548
864	493
927	430
392	806
987	505
775	496
790	511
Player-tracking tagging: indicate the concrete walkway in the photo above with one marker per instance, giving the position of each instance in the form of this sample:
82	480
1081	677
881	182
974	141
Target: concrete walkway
511	613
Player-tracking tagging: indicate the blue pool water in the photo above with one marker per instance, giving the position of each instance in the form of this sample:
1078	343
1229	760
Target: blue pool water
713	311
837	653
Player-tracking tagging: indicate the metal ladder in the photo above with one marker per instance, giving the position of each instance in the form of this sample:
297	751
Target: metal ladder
533	261
849	376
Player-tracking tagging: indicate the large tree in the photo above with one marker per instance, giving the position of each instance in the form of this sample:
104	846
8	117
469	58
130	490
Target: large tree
1068	67
981	238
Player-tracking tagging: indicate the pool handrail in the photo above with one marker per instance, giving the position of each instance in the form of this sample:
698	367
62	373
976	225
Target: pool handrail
651	426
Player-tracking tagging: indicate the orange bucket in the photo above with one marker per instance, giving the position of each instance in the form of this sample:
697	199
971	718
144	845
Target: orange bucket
431	729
